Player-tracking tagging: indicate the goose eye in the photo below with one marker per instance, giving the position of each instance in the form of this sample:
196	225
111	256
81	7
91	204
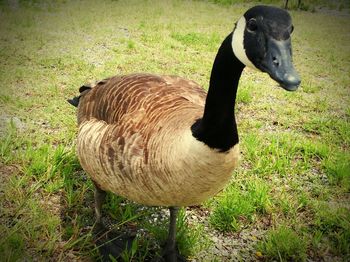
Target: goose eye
252	25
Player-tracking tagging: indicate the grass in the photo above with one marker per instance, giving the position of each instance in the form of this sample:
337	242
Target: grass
239	204
289	198
335	224
283	244
305	5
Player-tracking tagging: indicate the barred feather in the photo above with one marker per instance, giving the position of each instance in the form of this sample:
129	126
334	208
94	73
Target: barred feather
135	140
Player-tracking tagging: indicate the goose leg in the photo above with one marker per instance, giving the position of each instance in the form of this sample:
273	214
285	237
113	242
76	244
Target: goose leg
110	243
170	252
286	5
100	197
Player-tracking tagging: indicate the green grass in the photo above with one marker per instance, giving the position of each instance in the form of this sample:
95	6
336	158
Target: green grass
283	244
239	204
291	191
334	223
305	5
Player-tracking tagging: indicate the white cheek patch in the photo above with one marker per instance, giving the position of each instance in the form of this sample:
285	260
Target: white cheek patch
238	43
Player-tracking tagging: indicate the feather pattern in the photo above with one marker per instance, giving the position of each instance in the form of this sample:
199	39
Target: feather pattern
135	140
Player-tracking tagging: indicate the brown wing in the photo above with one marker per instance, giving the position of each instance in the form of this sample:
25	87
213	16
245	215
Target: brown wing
119	116
135	95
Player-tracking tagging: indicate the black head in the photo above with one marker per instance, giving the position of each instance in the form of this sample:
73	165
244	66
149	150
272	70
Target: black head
261	39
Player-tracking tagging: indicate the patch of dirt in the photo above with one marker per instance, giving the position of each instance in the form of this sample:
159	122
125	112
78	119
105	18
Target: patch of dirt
6	120
53	203
334	12
6	171
238	246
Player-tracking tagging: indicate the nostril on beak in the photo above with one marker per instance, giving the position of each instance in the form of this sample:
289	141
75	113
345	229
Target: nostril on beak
275	61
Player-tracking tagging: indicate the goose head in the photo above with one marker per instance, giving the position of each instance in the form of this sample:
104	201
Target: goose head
262	40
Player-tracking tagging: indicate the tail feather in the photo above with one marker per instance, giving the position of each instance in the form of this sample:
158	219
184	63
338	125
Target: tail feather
75	100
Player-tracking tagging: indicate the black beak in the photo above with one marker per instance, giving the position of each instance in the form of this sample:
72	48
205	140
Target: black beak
278	64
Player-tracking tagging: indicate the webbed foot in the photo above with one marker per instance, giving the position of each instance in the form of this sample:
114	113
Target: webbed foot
112	243
172	255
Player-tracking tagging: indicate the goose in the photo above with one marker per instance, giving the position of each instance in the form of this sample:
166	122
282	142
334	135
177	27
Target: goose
161	140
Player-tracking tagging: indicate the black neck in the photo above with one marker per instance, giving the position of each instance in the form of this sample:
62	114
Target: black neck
217	128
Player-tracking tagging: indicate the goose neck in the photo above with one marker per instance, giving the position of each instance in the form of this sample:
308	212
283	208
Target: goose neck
217	128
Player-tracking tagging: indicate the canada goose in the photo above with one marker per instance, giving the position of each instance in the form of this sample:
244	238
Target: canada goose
161	140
